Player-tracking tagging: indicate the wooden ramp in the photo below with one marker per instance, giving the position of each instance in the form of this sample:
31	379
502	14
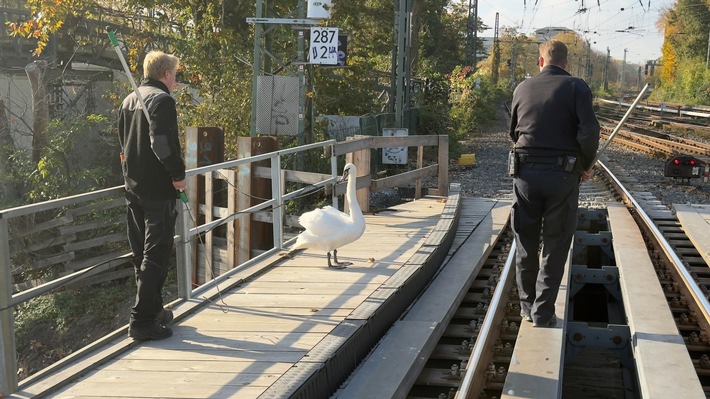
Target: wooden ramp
294	329
695	220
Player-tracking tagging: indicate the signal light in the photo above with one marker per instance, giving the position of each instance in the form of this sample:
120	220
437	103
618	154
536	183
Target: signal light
684	166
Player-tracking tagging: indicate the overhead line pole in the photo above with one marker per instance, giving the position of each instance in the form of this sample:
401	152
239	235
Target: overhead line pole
606	70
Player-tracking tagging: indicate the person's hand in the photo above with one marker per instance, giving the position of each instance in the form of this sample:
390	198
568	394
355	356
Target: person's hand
587	174
180	185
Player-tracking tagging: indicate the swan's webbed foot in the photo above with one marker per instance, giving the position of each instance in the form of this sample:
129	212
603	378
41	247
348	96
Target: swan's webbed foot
337	265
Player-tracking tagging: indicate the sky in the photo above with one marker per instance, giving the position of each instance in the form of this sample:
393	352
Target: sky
616	24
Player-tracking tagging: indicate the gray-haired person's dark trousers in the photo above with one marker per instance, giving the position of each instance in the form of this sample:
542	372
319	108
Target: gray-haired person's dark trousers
546	199
151	228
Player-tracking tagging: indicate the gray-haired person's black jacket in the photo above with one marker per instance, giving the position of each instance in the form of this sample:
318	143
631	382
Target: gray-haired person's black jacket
151	158
551	115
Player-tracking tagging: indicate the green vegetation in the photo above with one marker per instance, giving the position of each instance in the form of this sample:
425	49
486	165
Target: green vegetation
685	74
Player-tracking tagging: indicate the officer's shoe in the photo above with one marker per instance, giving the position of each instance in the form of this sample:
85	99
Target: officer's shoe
550	323
151	332
165	316
525	316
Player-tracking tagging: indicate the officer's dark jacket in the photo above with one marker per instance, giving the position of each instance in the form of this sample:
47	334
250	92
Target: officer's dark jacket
551	115
151	158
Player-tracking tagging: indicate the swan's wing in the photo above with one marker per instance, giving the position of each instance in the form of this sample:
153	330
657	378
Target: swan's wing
323	221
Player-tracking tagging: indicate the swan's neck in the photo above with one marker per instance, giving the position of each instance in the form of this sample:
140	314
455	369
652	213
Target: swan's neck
351	196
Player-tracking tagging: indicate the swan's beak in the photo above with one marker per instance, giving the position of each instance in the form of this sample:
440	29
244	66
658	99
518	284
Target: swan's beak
345	175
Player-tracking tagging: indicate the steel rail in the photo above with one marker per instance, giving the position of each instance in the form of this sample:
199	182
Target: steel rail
475	363
688	280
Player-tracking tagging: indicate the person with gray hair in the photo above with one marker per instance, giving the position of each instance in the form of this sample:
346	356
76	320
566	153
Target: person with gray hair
556	136
153	172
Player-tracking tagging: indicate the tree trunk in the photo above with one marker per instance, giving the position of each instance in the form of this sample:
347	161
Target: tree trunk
8	191
40	108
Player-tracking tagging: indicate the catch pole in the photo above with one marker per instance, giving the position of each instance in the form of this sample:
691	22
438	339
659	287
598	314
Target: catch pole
127	70
616	129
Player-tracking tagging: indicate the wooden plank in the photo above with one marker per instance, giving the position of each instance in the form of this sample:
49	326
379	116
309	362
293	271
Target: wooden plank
361	160
218	366
78	228
54	241
402	353
95	242
404	178
653	330
208	252
538	357
294	176
695	220
94	207
62	220
276	317
162	389
42	263
342	148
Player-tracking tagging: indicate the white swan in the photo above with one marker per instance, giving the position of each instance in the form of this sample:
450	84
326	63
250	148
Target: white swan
327	228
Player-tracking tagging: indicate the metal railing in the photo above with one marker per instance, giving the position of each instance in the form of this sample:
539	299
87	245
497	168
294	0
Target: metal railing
188	229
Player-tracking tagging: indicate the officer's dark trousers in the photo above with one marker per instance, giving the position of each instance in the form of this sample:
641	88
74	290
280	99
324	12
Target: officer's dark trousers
546	200
151	228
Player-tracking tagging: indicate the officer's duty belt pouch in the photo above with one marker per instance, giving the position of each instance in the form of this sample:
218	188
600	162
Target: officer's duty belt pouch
570	161
512	164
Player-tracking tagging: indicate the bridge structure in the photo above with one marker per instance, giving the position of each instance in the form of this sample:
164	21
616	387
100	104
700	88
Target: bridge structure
82	239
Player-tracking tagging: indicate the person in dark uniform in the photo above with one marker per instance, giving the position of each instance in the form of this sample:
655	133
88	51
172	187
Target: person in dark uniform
153	171
556	136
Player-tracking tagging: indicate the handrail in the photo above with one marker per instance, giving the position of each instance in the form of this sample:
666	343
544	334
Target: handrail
184	230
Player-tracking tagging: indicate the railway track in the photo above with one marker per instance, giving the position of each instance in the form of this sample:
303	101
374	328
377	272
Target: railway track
479	353
677	117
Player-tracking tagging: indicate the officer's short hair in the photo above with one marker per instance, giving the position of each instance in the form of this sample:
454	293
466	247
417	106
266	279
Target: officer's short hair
156	63
554	52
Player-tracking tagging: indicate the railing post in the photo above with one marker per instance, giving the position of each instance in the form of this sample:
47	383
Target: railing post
278	211
8	364
184	252
334	173
443	165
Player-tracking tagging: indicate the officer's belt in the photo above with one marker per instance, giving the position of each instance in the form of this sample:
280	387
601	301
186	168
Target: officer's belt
525	158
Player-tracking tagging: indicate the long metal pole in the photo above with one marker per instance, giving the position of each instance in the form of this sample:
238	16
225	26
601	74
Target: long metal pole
114	43
616	129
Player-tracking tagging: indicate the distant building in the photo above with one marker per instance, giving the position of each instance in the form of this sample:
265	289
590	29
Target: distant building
547	33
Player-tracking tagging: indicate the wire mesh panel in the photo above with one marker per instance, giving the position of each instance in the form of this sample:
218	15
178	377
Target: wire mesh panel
277	105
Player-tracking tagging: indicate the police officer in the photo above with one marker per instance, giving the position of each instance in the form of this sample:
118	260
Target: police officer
556	136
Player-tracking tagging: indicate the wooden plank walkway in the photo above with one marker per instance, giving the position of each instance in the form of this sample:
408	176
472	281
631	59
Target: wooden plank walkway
537	364
391	370
654	334
261	338
695	220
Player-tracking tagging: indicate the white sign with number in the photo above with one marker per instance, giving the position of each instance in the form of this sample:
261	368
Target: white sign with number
324	46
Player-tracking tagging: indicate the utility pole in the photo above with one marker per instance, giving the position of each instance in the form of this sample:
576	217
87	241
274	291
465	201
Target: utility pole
403	74
472	34
707	58
588	69
638	84
623	70
513	61
606	70
496	53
